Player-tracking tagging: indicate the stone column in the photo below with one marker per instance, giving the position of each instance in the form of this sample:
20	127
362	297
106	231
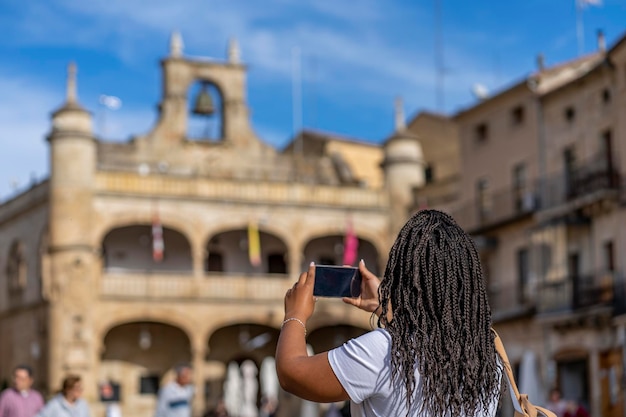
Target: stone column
197	258
295	259
198	352
595	399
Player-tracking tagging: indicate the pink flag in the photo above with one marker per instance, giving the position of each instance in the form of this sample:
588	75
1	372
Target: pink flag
157	239
350	245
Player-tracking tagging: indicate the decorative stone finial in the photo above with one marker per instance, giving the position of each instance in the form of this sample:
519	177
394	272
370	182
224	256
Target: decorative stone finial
234	55
176	45
399	110
71	83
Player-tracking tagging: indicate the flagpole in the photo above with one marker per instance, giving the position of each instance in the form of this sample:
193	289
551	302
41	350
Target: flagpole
580	32
296	98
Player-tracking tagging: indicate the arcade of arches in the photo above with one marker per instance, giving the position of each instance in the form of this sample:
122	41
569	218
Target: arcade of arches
129	249
137	357
139	351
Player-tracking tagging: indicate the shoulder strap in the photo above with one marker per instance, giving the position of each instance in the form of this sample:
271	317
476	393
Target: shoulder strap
523	407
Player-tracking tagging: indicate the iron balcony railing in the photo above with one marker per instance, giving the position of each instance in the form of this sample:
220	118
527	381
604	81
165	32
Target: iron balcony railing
574	293
510	299
499	207
592	176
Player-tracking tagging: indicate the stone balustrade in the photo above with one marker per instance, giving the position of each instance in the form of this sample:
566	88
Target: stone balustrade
243	191
129	285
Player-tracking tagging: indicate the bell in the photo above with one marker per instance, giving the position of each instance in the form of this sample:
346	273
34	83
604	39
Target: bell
204	103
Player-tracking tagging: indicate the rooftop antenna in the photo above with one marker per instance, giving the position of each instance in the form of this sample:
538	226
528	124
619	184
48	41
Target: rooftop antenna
439	64
107	103
296	98
580	29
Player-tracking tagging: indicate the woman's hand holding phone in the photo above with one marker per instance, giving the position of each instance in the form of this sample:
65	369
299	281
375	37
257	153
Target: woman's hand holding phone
368	300
299	300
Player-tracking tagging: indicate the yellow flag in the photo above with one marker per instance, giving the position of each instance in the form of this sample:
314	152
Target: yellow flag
254	244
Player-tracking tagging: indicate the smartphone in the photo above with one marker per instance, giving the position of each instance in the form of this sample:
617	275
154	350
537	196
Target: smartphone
337	281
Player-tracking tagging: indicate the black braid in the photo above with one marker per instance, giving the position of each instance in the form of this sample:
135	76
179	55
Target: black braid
440	320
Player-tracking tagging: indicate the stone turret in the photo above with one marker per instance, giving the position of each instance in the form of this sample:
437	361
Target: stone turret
72	167
72	253
403	165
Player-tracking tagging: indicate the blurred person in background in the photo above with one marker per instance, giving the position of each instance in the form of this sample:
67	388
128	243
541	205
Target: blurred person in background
175	398
575	409
556	403
67	403
21	400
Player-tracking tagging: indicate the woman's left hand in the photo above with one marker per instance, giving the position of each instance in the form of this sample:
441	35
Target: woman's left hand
299	300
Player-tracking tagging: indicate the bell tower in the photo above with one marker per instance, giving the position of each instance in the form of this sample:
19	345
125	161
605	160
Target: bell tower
222	93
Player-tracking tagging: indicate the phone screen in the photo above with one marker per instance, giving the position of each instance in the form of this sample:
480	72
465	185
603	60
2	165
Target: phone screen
337	281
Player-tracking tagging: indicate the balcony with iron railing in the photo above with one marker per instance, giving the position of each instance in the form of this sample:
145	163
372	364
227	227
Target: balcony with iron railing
510	300
570	294
593	179
497	208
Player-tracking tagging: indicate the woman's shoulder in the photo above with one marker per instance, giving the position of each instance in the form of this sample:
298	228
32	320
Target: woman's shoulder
377	341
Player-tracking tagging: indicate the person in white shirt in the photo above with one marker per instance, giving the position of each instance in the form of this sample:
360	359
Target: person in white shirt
68	403
433	354
175	398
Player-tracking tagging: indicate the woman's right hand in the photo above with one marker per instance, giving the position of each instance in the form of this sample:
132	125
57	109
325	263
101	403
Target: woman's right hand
368	300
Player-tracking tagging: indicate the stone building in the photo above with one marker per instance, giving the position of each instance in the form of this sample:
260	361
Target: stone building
133	257
533	172
541	189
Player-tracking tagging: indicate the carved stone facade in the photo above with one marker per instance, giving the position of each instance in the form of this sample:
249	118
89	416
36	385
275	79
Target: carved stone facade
534	173
84	290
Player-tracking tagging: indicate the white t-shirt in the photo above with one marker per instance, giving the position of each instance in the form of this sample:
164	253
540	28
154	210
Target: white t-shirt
363	367
175	400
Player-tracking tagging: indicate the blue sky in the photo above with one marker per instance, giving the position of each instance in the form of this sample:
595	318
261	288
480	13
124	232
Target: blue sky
356	57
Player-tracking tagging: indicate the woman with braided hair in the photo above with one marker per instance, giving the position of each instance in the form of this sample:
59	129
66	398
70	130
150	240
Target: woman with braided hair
433	352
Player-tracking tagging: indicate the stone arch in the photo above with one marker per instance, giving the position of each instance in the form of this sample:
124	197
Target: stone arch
233	346
115	220
227	251
132	248
242	340
224	226
16	268
328	249
137	357
171	318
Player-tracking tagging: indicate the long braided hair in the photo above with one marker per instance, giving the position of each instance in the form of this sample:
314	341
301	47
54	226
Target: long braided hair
434	306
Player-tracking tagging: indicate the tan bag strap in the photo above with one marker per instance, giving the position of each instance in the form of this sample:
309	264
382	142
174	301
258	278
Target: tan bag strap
521	404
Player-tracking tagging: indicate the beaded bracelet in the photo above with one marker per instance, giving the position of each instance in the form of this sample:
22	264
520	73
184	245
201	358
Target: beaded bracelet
294	319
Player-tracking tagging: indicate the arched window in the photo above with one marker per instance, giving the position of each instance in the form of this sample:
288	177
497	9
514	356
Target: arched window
228	252
16	268
329	250
133	249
